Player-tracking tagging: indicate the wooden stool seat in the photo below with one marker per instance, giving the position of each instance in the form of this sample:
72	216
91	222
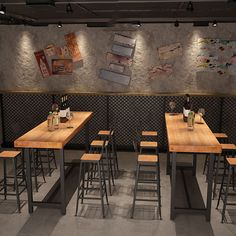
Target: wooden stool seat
149	133
147	158
220	135
9	154
148	144
104	132
231	161
228	146
99	143
91	157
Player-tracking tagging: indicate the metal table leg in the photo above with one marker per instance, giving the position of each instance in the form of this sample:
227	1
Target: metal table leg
62	180
168	163
209	186
173	185
28	180
194	164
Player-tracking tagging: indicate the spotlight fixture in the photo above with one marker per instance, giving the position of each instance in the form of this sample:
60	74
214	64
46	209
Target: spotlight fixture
59	25
176	23
214	24
190	6
69	8
2	10
136	23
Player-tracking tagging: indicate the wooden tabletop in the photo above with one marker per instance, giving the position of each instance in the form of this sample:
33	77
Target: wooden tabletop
40	137
181	139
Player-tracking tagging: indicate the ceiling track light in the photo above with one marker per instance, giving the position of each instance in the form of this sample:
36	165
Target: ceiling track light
59	25
69	8
2	10
190	6
214	24
176	23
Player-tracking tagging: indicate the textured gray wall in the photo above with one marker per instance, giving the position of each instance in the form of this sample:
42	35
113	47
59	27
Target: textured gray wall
19	70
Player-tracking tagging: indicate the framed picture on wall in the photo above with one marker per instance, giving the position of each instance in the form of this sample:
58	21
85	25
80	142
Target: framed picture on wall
62	66
117	67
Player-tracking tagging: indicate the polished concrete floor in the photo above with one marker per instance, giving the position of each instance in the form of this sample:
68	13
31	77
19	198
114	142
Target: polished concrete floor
117	222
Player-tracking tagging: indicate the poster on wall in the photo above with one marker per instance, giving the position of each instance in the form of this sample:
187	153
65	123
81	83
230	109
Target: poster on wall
216	55
73	47
62	66
119	59
42	63
170	51
160	70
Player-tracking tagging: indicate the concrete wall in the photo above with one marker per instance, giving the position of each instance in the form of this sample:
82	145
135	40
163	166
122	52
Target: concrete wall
19	70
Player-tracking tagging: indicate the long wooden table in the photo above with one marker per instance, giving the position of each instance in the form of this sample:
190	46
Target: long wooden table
183	140
40	137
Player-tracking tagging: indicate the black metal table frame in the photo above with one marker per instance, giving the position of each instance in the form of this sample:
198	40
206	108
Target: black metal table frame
61	205
207	210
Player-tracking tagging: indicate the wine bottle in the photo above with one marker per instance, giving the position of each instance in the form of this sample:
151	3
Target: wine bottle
187	108
62	113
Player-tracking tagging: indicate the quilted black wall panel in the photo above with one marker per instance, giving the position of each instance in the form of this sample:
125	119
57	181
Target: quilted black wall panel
95	103
229	118
132	111
22	112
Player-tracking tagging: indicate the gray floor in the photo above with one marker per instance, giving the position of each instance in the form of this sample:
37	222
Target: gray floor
50	222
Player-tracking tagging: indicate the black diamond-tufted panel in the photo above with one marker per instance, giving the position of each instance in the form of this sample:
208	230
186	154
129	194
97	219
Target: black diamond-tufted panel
229	118
95	103
22	112
212	106
132	111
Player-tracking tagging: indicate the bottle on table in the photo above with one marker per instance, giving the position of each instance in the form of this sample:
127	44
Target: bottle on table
63	109
56	119
187	108
190	120
50	121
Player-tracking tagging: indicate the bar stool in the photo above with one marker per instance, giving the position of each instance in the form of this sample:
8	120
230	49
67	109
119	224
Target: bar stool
49	155
149	134
17	174
148	145
228	149
145	161
110	136
37	168
88	159
230	165
101	146
222	138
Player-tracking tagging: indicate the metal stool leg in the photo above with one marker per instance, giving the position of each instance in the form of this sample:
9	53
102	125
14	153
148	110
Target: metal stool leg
104	182
78	193
135	189
16	184
226	195
159	187
5	178
101	189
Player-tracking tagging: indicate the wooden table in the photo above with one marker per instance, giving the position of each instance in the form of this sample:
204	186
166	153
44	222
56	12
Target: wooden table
199	140
40	137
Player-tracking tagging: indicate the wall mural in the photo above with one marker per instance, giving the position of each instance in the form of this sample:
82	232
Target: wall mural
63	59
165	53
216	55
163	70
119	60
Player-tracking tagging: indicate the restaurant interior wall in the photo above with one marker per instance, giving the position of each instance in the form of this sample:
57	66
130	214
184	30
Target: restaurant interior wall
19	70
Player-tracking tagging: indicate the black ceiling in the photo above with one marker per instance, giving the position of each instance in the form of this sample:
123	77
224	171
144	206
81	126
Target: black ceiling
118	11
